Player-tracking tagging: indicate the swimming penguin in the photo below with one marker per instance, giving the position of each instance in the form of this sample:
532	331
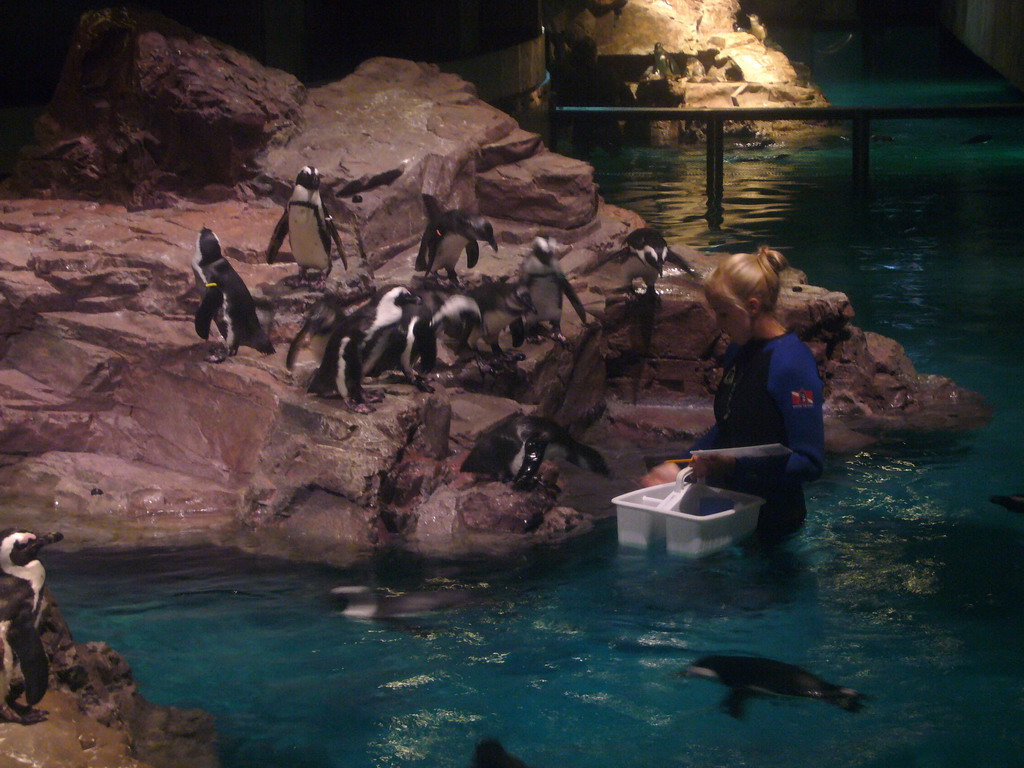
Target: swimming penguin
541	273
489	753
226	301
1014	502
21	607
749	675
352	339
514	448
310	228
361	602
646	252
447	234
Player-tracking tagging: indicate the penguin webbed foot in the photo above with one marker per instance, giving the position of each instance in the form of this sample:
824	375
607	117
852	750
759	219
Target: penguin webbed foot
422	385
357	406
22	714
217	354
372	397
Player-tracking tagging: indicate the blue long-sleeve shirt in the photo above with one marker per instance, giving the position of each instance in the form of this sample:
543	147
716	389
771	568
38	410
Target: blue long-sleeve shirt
771	393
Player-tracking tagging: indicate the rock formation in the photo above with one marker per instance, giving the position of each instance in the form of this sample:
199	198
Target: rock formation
111	415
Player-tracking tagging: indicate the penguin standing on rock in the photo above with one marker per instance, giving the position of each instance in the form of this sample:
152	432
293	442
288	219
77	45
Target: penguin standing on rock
21	606
225	301
541	273
355	340
501	305
645	254
664	65
514	448
447	234
309	227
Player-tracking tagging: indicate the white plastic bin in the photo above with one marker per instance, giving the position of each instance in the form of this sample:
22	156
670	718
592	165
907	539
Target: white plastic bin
692	519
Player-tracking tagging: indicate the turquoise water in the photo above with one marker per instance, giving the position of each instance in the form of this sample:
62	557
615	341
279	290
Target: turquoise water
906	583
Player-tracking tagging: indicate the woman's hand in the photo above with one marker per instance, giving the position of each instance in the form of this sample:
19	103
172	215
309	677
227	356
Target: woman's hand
663	473
713	470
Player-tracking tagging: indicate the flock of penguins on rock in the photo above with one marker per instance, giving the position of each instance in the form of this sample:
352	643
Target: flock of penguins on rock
399	327
395	330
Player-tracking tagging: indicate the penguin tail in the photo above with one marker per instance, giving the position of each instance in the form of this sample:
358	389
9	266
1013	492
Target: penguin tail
297	343
585	457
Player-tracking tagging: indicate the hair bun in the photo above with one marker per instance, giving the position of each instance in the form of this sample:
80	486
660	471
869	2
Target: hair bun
774	260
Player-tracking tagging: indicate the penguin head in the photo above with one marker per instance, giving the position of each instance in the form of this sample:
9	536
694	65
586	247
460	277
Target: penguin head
208	246
405	297
658	49
483	230
19	547
309	177
545	249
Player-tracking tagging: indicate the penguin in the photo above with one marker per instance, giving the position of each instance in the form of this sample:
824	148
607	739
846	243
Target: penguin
361	602
513	449
316	328
1014	502
226	301
21	606
541	273
411	345
501	305
489	753
309	227
447	234
646	252
664	65
354	337
757	27
749	675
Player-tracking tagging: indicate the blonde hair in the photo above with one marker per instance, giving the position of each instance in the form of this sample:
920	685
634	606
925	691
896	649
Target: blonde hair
744	276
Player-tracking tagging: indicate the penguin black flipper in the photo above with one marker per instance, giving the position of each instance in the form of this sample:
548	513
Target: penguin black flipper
424	346
428	248
734	701
533	456
28	647
573	297
212	301
518	330
472	253
677	259
332	230
277	237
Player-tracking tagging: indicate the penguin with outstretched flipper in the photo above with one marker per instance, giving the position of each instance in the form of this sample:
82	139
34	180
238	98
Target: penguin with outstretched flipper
541	273
514	448
309	226
447	235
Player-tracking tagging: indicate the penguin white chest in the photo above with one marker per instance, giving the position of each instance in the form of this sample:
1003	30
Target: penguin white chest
449	250
546	295
304	236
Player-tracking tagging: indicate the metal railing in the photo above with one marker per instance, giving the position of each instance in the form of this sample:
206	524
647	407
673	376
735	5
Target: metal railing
714	121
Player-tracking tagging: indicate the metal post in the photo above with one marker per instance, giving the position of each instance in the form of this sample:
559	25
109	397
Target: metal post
714	128
861	148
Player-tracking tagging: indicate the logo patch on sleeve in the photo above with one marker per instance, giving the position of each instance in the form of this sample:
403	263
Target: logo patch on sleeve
802	398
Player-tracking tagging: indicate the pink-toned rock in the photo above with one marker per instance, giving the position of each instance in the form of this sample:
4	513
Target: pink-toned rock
146	108
546	189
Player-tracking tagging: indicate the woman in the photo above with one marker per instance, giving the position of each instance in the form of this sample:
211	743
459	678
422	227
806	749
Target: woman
770	393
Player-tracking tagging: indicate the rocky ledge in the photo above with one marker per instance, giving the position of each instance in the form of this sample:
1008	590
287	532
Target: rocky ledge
113	420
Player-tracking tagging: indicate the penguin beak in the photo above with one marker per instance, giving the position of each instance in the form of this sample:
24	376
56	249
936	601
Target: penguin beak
25	553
